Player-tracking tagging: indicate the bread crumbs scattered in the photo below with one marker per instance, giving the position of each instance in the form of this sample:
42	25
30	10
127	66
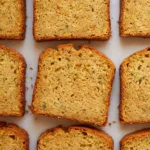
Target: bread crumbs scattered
32	86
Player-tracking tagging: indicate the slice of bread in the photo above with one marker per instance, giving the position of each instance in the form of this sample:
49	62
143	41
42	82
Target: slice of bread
135	88
13	137
68	19
75	138
135	18
74	84
12	82
139	140
12	24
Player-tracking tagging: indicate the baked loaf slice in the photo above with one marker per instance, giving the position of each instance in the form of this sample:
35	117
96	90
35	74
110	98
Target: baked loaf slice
74	84
13	137
135	18
12	24
139	140
12	82
73	19
74	138
135	88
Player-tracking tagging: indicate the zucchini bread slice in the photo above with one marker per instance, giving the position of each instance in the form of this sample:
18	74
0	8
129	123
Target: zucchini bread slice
75	138
12	82
74	84
135	88
13	137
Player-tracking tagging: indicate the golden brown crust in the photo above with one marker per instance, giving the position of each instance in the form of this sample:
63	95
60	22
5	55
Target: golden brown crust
78	120
98	133
23	23
16	131
22	82
46	38
122	97
136	134
122	6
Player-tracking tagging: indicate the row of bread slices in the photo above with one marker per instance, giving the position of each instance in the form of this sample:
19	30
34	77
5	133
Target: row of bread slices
76	84
13	137
66	20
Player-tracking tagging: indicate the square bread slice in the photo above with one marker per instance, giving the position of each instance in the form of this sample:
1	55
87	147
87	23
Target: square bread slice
139	140
135	18
74	84
13	137
71	19
135	88
75	138
12	82
12	24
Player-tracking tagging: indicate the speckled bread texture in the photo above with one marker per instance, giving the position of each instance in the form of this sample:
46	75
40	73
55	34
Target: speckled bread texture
12	15
13	137
135	88
75	138
135	18
71	19
74	84
12	82
139	140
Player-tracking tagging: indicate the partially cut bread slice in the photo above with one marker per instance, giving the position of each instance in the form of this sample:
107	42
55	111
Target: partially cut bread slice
139	140
135	88
12	82
13	137
75	138
12	15
135	18
74	84
71	19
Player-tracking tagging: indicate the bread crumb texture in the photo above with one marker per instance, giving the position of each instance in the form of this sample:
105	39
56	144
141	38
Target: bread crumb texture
12	15
139	140
13	137
12	82
74	84
75	138
135	88
135	18
71	19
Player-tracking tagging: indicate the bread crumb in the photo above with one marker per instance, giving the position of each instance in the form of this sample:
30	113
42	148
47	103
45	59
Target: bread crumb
31	68
114	122
32	86
109	124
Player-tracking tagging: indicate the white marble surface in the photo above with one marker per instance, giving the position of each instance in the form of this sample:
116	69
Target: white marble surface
116	48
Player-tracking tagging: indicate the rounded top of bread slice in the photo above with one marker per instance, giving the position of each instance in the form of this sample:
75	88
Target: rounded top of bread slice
13	137
139	140
75	138
74	84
